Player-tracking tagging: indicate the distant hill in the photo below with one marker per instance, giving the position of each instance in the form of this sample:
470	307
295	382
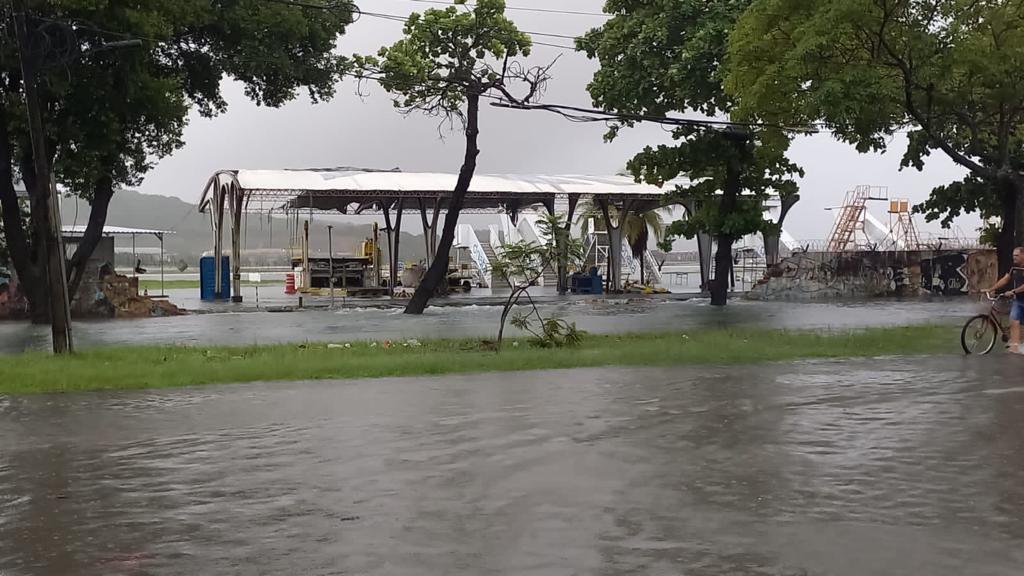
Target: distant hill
193	234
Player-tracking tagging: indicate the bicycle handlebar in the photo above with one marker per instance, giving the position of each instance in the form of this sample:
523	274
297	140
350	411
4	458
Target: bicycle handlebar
997	297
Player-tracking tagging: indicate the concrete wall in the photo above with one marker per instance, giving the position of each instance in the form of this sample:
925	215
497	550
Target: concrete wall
819	275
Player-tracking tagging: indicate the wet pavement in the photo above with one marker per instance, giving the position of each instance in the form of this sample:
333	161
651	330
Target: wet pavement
844	468
602	315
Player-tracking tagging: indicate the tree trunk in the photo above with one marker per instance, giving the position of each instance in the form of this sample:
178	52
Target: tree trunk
615	259
563	251
24	247
773	234
102	193
438	271
563	268
1008	196
38	297
719	286
18	245
642	283
513	299
1018	192
771	247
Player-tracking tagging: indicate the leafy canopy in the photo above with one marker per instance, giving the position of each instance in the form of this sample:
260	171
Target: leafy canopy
112	113
446	55
660	56
950	71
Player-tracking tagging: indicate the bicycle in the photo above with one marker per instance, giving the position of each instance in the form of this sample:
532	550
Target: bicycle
983	328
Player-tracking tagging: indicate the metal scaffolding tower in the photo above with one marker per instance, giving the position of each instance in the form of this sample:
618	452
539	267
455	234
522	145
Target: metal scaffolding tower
851	217
902	230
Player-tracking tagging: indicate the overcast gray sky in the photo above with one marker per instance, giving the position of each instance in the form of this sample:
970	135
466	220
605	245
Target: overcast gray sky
354	131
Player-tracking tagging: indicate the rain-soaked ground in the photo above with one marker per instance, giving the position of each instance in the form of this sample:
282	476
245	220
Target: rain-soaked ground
845	468
599	315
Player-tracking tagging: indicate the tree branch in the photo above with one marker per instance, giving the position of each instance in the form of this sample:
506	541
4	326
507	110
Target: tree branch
103	192
912	110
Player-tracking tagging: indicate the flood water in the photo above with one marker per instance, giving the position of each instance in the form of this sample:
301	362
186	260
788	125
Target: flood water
847	468
594	315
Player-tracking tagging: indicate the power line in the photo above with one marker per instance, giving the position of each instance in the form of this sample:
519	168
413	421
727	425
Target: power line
397	18
579	114
77	25
328	6
403	19
522	9
573	48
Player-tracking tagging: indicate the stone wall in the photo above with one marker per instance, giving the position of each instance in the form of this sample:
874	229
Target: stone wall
821	275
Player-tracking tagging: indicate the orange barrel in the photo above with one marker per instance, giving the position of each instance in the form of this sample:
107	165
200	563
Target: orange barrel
289	283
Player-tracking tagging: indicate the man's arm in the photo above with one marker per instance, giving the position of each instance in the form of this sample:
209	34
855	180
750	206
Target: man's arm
995	287
1014	292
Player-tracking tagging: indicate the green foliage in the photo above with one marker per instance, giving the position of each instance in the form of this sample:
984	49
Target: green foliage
569	251
114	112
445	55
667	243
660	56
520	265
704	157
988	235
550	332
969	195
949	70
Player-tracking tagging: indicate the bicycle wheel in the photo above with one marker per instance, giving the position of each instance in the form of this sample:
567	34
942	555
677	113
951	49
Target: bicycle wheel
979	335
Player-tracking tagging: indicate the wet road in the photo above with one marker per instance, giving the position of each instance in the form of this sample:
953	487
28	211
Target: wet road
874	467
598	316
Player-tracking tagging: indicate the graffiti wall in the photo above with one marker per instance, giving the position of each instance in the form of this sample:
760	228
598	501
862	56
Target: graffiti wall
945	274
820	275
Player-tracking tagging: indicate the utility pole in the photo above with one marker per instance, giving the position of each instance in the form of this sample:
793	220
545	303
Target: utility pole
53	244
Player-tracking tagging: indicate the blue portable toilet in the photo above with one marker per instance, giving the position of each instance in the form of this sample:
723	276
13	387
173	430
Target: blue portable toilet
587	283
596	281
207	274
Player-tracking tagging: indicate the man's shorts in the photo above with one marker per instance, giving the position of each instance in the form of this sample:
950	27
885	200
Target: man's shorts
1017	310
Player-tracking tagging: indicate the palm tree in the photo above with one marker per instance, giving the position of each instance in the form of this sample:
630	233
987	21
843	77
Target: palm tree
637	229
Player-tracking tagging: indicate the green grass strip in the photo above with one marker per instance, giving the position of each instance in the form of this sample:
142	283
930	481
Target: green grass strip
127	368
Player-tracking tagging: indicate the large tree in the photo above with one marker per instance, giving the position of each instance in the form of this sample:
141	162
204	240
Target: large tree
951	72
448	61
662	56
109	114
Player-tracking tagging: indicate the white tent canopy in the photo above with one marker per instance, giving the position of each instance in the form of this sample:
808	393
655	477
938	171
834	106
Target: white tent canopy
79	230
354	191
439	183
357	191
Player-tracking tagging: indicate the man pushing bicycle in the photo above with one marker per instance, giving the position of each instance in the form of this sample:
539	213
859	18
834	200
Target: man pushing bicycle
1015	280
